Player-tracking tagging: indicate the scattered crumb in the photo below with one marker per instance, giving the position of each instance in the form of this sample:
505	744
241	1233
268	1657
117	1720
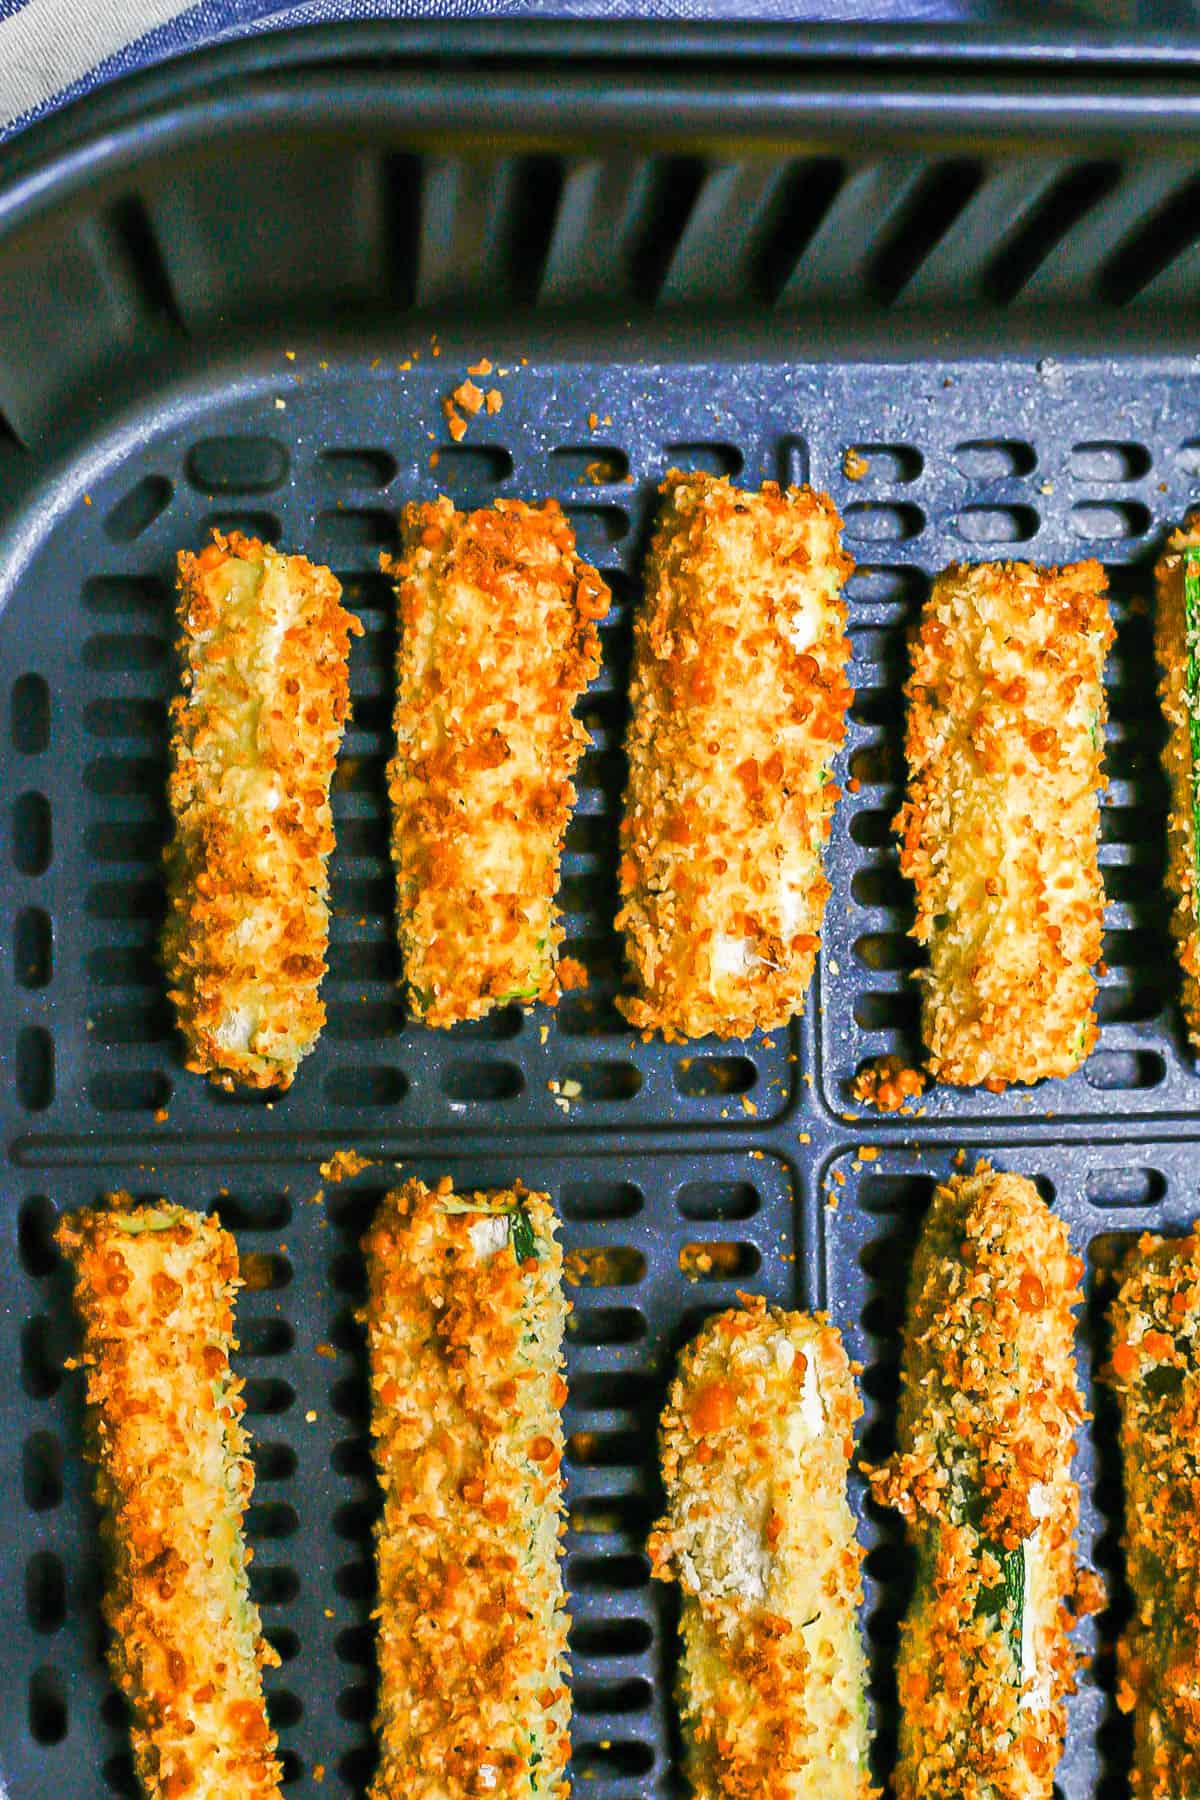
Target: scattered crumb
318	1773
280	405
329	1613
326	1350
469	397
482	367
344	1165
1047	487
959	1158
257	1271
405	366
435	457
593	421
543	1034
831	1199
160	1117
804	1137
87	499
748	1106
867	1152
854	466
310	1417
571	1090
291	355
494	400
888	1084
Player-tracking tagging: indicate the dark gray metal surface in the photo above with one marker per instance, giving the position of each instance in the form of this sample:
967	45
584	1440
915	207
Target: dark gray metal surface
990	299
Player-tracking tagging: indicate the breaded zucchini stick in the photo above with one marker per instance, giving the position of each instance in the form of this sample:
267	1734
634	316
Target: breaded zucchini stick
154	1289
989	1408
1000	831
1177	643
1156	1372
756	1446
255	733
465	1320
739	700
497	642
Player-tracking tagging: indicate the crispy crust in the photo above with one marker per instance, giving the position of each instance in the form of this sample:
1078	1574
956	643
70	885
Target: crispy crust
1001	827
154	1288
757	1437
255	734
739	701
1171	647
497	643
1155	1370
466	1398
989	1408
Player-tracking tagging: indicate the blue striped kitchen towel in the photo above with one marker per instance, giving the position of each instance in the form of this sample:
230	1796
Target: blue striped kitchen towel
53	50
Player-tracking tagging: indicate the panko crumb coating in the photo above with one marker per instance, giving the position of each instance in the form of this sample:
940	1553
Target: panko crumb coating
756	1442
497	642
1177	644
1155	1370
989	1410
154	1288
1000	831
264	644
465	1318
739	699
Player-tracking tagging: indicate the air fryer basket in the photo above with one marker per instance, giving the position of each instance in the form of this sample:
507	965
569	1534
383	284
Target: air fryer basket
236	293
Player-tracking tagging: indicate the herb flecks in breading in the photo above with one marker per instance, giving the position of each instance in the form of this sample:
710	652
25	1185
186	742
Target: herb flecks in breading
989	1409
465	1318
264	645
497	641
756	1441
154	1288
1001	828
738	704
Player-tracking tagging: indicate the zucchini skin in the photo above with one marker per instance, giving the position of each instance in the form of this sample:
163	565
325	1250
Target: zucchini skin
1175	644
756	1442
465	1318
989	1409
1155	1371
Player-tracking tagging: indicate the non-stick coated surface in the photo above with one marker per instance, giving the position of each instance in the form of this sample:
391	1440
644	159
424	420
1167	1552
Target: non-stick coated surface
754	1146
981	279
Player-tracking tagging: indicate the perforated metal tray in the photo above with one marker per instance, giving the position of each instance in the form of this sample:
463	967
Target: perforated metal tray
211	297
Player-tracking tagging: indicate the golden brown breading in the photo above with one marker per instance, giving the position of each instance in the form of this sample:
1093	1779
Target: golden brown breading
465	1319
497	642
1001	827
154	1288
757	1437
1155	1370
1177	646
989	1408
739	701
255	735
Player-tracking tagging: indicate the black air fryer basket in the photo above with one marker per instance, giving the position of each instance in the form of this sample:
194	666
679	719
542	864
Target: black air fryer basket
235	292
